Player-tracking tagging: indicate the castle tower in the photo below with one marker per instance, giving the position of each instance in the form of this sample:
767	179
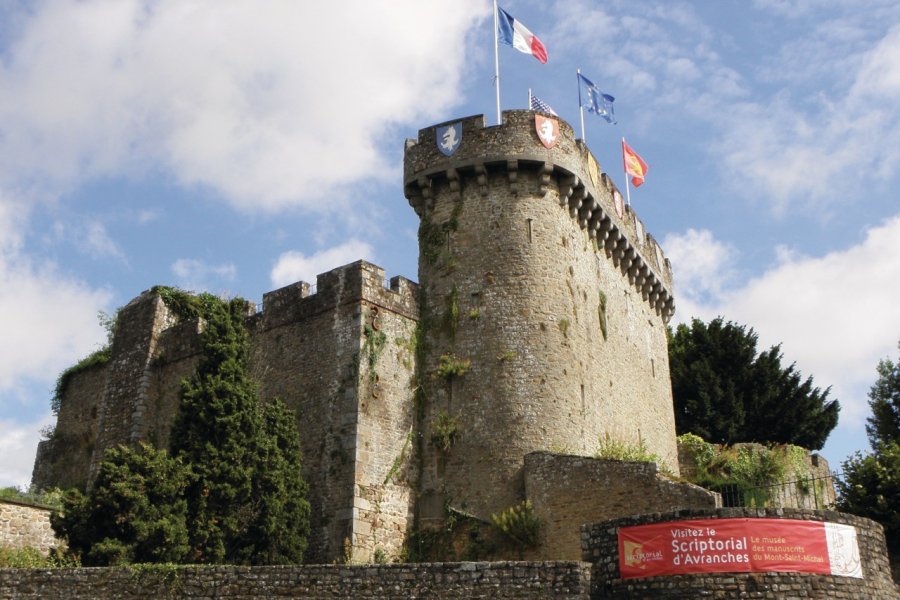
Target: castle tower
543	310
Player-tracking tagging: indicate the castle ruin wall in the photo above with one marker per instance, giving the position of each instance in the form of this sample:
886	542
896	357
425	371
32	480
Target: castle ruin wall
307	349
63	459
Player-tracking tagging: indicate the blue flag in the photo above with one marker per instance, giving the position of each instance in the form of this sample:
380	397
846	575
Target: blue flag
594	100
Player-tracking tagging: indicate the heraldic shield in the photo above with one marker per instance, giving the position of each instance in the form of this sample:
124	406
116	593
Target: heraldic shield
547	130
449	137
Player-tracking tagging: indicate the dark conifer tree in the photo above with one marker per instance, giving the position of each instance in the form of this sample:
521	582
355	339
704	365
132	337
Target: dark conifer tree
218	433
725	393
280	528
135	512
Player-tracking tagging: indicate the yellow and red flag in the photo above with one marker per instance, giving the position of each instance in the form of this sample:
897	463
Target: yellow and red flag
634	165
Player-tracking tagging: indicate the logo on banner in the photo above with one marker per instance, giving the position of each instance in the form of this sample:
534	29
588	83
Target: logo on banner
547	130
637	557
449	137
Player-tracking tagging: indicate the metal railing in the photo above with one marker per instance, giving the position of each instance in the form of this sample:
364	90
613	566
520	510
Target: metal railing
815	492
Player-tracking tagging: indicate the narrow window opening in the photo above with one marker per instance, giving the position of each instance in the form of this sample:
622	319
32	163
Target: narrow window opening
528	224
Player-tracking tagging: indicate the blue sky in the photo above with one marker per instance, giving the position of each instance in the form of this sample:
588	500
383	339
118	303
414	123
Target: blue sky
235	147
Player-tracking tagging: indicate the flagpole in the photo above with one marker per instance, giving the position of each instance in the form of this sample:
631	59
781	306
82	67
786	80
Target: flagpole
529	98
497	63
627	184
580	104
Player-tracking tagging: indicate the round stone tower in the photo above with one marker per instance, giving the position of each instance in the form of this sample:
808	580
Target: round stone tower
543	310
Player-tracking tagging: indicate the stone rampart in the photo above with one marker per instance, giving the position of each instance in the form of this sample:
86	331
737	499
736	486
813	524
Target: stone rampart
26	526
567	491
509	580
601	547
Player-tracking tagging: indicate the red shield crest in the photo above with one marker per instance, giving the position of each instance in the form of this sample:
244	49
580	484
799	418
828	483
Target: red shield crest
547	130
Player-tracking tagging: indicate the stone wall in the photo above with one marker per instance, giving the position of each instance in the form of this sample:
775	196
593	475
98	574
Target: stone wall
25	526
341	358
63	459
535	277
567	491
600	546
537	581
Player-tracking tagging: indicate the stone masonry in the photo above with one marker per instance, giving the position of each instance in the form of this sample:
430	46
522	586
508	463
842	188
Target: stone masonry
539	325
536	278
26	526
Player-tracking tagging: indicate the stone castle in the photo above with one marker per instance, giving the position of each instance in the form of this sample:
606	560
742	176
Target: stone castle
537	328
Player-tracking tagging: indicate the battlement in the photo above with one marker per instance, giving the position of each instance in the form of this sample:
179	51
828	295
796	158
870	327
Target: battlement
587	193
355	282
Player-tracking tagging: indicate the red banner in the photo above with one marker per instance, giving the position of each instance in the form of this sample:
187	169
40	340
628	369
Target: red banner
738	545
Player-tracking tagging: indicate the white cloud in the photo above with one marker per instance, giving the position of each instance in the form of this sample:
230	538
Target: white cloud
195	275
18	446
835	315
702	264
231	97
294	266
51	317
802	158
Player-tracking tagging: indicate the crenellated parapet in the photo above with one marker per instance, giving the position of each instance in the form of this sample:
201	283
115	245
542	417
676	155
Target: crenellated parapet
352	283
584	191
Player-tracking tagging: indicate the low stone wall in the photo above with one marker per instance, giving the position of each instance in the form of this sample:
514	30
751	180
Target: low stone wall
600	544
567	491
24	526
498	580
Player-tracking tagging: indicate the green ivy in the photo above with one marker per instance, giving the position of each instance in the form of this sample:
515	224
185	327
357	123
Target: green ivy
186	305
94	359
372	347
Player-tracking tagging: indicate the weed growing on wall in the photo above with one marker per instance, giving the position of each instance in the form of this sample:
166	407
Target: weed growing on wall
451	366
618	450
444	430
601	312
519	524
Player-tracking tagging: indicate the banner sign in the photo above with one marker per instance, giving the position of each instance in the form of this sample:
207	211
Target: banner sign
738	545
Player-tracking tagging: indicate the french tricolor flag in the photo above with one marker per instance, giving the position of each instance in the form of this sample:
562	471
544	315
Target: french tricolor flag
512	32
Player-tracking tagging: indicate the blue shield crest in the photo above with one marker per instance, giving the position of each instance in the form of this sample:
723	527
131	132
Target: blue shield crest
449	137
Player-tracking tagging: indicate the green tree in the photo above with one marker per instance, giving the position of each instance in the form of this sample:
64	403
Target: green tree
727	393
135	511
246	496
280	529
217	433
233	493
871	488
871	484
883	427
